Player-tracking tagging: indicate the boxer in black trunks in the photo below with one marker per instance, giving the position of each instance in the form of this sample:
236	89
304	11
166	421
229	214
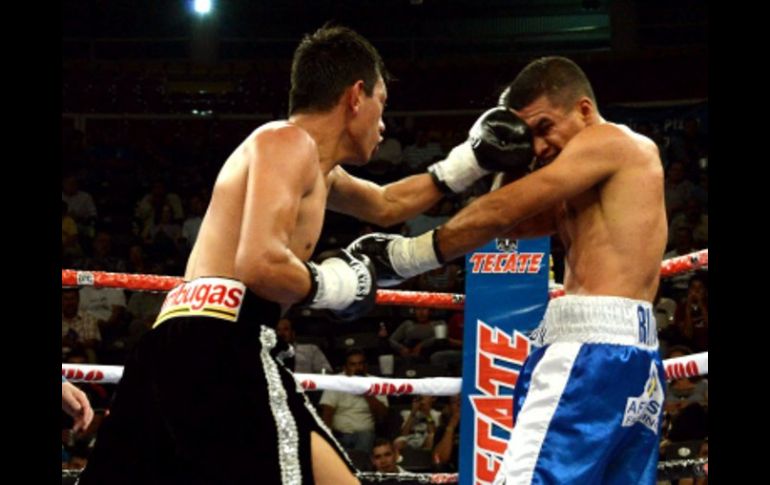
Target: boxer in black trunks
202	398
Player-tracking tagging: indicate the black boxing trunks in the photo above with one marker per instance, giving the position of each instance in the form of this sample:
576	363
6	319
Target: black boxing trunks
203	400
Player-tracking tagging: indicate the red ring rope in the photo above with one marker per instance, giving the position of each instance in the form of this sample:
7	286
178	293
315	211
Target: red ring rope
449	301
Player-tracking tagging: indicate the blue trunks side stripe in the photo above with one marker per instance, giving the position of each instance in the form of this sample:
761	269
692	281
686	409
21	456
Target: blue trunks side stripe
591	414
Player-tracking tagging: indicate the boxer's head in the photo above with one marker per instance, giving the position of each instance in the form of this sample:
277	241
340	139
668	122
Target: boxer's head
336	67
554	97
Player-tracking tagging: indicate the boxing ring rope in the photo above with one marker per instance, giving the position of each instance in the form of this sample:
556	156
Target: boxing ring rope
667	470
685	263
148	282
677	368
445	301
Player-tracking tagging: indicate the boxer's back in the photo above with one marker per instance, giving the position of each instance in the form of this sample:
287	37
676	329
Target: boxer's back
216	247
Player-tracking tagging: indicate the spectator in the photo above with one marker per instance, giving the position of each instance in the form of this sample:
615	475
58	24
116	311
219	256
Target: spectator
449	351
308	358
665	312
79	329
419	424
70	243
149	207
353	418
677	189
695	218
413	338
692	316
108	306
102	258
446	451
163	235
384	457
80	204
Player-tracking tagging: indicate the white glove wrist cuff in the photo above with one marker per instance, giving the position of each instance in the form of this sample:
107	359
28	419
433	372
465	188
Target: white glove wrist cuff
337	285
411	256
460	169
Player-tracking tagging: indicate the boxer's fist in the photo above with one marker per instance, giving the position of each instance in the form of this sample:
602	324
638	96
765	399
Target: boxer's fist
397	258
498	141
342	283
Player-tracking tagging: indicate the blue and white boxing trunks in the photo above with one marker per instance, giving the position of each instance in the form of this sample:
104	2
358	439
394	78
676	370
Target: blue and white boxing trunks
588	403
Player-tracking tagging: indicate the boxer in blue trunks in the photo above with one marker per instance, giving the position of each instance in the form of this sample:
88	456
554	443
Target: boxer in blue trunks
587	404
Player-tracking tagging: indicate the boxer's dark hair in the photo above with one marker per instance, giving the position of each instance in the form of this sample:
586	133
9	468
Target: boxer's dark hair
558	78
327	62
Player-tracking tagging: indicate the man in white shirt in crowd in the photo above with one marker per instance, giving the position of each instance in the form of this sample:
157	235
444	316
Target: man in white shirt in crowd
353	418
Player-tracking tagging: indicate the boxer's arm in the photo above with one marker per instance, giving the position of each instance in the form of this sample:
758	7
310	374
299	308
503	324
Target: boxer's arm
498	140
590	158
539	225
382	205
277	180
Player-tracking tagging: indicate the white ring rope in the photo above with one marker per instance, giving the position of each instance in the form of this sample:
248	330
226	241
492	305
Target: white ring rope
677	368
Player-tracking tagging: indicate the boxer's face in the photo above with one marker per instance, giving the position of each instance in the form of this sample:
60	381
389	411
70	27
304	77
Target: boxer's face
368	126
552	127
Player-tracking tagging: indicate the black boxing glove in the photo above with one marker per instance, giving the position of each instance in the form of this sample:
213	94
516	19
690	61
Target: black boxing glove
498	141
398	258
342	283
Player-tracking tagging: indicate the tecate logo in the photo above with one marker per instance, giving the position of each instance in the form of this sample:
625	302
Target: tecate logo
492	407
501	263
